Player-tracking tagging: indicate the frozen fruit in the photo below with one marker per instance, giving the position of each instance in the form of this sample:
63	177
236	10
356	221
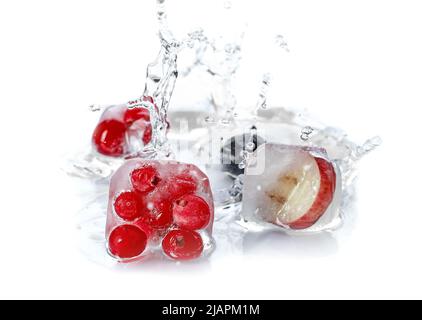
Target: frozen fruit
145	179
128	206
109	138
135	114
180	185
123	129
159	213
127	241
147	136
158	197
322	200
183	245
191	212
295	189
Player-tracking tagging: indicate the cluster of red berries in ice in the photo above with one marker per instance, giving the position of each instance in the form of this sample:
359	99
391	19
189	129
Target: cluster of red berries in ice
159	204
118	126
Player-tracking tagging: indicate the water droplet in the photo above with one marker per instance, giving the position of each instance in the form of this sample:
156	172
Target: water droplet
244	154
250	146
304	137
308	130
306	133
281	42
95	108
265	85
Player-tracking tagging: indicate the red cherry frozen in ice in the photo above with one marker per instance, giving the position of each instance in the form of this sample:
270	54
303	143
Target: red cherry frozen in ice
183	245
191	212
127	241
109	137
159	214
128	206
181	185
135	114
141	224
145	179
146	138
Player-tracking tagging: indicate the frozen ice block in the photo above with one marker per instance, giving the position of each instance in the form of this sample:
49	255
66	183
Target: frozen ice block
122	130
162	206
296	188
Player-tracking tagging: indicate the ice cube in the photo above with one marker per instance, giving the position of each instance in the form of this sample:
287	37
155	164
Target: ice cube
292	187
122	130
162	206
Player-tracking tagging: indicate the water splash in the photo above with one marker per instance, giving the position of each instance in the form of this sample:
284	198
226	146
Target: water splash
221	61
265	85
306	133
160	82
346	153
281	42
96	108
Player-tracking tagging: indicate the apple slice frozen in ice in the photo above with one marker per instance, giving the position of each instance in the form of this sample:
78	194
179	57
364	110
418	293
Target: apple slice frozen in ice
295	188
303	193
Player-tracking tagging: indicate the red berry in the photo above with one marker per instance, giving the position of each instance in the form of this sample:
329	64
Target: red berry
183	245
127	241
128	206
109	138
145	179
135	114
146	138
181	185
141	224
191	212
159	215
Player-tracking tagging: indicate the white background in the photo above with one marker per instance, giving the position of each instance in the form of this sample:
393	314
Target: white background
356	64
